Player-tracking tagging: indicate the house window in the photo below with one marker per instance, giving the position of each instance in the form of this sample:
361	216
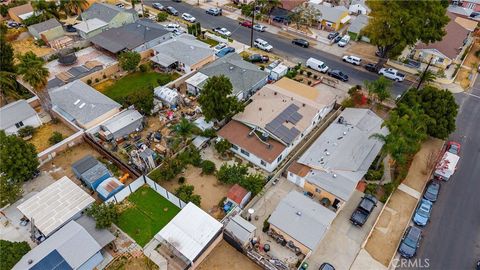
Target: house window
19	124
235	147
245	152
317	190
264	164
440	60
279	158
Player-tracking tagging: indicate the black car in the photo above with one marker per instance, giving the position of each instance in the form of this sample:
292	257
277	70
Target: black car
371	67
255	58
172	11
214	11
364	209
337	39
432	191
410	242
333	35
337	74
70	29
300	42
326	266
281	19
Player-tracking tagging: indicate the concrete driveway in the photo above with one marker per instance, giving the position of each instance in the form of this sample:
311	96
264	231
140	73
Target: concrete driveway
343	240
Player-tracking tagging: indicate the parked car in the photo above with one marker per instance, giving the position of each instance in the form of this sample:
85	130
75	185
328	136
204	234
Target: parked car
352	59
177	1
259	28
189	18
392	74
301	42
326	266
364	209
171	27
219	46
422	213
281	19
410	242
371	67
225	51
158	6
432	190
246	24
344	41
262	45
172	11
12	24
337	74
317	65
337	39
333	35
256	58
214	11
222	31
453	147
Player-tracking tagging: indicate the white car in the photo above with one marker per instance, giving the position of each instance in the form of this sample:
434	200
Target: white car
262	45
352	59
189	18
344	41
219	47
392	74
259	28
222	31
171	27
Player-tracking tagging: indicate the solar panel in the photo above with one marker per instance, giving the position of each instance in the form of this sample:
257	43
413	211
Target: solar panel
277	127
53	261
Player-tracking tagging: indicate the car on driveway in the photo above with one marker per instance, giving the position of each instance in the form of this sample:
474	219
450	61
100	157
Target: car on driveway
371	67
189	18
337	39
222	31
262	45
219	46
225	51
333	35
453	147
432	190
344	41
337	74
363	210
259	28
214	11
422	213
300	42
172	11
158	6
171	27
246	24
354	60
258	58
410	242
392	74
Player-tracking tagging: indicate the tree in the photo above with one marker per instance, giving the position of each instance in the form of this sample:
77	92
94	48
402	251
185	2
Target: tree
104	214
73	7
11	253
6	52
253	182
185	129
142	100
305	15
266	6
45	10
427	77
393	25
216	99
162	16
55	138
31	67
247	10
26	131
185	193
18	159
208	167
129	60
223	146
378	90
10	191
232	174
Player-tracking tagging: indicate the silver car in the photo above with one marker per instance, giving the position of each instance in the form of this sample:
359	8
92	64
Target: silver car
259	28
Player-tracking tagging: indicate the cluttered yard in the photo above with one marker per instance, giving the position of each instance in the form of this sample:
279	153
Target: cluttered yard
151	209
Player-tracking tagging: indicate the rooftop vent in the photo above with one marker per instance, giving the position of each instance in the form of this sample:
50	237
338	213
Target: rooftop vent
81	106
327	153
341	120
76	102
344	133
334	176
274	93
299	213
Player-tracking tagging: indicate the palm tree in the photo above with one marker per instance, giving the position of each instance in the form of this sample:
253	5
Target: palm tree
73	6
8	85
378	90
34	73
46	10
426	77
185	128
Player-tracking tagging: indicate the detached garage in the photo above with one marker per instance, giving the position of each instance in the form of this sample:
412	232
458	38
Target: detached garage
90	171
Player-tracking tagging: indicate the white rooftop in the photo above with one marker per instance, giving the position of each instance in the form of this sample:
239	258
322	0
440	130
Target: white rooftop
190	231
196	79
55	205
90	25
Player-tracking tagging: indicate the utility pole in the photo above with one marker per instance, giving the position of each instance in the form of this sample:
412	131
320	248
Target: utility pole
253	19
422	76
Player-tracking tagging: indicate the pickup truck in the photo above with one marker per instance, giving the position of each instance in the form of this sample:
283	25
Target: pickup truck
364	208
392	74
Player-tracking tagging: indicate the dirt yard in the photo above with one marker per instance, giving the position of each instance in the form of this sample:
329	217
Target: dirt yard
25	45
43	133
363	50
225	256
132	263
469	66
207	186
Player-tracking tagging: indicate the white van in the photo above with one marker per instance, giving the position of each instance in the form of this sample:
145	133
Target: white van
317	65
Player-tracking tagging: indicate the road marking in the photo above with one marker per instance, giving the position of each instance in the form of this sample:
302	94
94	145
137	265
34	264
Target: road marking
473	95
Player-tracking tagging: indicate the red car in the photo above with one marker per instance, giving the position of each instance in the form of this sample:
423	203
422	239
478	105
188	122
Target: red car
453	147
246	24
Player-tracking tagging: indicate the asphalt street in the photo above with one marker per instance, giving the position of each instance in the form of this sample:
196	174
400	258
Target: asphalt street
281	45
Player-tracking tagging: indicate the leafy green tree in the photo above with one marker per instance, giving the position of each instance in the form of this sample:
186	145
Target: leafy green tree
104	214
191	155
73	7
168	170
305	15
6	52
26	131
142	100
186	194
11	253
18	159
216	99
162	16
10	191
208	167
379	90
393	25
247	10
55	138
45	10
223	146
232	174
129	60
253	182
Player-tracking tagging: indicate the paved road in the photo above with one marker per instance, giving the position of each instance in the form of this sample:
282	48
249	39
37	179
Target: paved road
281	45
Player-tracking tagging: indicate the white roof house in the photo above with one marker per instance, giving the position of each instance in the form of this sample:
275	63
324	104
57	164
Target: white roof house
167	95
55	205
191	231
122	124
16	115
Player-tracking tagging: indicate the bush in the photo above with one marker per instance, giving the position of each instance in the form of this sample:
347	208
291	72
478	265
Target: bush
387	190
209	133
232	174
145	68
55	138
191	156
104	76
26	131
371	188
266	225
374	175
309	82
208	167
97	80
223	146
181	180
11	253
309	73
89	81
315	76
185	193
104	214
348	103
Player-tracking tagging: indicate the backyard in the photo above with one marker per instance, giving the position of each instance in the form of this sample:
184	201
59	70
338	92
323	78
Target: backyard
135	82
44	132
151	209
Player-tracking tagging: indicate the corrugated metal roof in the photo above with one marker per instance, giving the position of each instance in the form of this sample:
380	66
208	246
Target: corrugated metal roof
241	229
124	123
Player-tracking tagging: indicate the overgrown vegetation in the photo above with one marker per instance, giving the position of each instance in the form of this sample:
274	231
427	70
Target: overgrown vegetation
104	214
238	174
208	167
11	253
171	167
55	138
186	194
129	60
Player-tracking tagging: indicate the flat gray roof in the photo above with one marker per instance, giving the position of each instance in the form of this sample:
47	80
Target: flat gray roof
15	112
185	49
102	236
46	25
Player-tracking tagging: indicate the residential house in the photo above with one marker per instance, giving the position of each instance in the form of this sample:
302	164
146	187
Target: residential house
356	27
55	206
332	18
301	220
278	117
20	13
291	4
246	78
121	125
17	115
332	166
47	31
74	73
449	50
138	36
71	247
464	12
79	103
184	53
358	7
471	4
114	16
91	27
90	171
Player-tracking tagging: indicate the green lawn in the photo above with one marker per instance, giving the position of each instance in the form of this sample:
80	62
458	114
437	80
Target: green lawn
147	215
209	41
137	81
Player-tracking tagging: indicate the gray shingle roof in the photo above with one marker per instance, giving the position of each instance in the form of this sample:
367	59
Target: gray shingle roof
185	49
46	25
302	218
242	74
102	11
358	24
80	102
331	14
102	236
15	112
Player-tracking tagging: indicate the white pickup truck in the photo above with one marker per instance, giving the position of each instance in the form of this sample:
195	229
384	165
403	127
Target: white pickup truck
392	74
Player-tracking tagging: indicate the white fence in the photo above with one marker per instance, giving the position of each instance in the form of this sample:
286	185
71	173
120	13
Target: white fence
142	180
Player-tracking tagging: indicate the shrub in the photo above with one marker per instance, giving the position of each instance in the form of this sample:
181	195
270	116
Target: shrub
309	82
185	193
371	188
97	80
145	68
26	131
89	81
181	180
315	76
232	174
223	146
374	175
309	73
209	133
11	253
104	76
55	138
266	225
104	214
208	167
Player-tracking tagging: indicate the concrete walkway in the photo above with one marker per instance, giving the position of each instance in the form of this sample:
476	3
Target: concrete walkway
410	191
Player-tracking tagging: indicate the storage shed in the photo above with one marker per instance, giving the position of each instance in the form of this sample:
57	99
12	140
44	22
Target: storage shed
239	195
90	171
109	187
169	97
122	125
